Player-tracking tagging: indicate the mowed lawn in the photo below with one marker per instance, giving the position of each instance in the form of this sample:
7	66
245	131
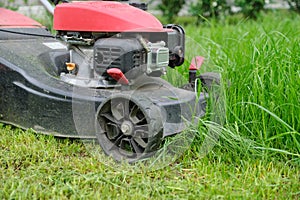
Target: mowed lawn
256	156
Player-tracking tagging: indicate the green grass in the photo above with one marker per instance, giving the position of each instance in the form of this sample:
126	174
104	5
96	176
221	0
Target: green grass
261	59
256	156
41	167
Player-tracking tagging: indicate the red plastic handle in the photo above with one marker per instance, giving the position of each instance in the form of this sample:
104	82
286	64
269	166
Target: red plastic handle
118	75
196	63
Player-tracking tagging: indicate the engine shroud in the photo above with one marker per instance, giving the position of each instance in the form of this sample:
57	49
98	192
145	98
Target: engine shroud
102	16
124	54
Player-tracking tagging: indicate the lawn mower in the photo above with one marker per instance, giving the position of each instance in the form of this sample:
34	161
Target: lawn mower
98	77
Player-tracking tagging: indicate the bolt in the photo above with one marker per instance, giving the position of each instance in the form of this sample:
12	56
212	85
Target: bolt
126	127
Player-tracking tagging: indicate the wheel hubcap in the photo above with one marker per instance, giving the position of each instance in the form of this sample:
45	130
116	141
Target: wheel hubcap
124	132
127	128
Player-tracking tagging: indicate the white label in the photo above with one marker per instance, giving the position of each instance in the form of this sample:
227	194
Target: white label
55	45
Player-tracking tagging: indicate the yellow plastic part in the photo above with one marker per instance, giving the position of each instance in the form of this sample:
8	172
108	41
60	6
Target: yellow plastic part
71	66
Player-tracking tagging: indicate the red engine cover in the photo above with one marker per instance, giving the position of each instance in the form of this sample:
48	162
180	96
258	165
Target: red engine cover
103	16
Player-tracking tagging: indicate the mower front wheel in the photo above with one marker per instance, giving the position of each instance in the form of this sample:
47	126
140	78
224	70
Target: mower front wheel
129	129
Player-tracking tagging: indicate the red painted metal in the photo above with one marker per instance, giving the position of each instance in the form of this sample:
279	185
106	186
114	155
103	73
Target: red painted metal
103	16
11	19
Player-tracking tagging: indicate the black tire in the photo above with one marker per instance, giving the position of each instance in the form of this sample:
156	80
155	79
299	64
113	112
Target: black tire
210	85
208	80
129	128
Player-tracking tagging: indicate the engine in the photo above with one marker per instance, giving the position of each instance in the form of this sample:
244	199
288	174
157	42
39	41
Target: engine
129	54
112	41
